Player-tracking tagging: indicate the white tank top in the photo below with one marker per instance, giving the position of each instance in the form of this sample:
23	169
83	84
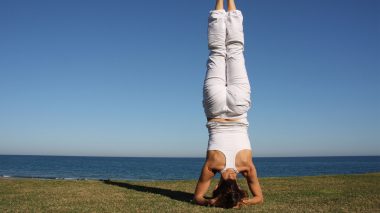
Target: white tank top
229	138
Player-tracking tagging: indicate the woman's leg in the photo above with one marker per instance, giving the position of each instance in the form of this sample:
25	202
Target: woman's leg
238	87
219	5
214	90
231	5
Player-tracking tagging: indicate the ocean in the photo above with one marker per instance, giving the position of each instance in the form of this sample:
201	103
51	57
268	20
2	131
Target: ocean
143	168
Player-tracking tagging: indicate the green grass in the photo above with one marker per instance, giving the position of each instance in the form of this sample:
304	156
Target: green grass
337	193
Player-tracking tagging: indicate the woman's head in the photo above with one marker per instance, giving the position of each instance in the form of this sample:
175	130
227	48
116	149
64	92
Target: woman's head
228	194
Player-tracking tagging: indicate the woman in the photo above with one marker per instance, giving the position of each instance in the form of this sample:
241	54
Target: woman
226	102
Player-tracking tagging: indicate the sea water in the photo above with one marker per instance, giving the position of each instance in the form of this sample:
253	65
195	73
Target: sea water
141	168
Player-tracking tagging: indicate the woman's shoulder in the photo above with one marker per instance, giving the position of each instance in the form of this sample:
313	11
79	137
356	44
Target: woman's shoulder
215	160
243	160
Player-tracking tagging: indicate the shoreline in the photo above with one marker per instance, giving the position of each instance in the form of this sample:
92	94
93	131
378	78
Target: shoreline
2	177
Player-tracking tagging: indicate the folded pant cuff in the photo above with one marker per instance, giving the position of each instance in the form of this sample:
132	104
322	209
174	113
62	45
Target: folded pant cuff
234	13
218	12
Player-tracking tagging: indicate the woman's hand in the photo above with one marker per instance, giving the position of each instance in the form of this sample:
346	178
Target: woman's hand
204	202
211	202
252	201
246	201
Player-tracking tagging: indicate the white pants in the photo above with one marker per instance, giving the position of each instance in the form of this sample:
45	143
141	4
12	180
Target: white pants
226	91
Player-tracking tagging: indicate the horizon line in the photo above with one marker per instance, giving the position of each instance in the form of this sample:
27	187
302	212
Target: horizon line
107	156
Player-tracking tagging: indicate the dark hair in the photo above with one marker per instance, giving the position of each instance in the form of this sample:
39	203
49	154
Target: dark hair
228	194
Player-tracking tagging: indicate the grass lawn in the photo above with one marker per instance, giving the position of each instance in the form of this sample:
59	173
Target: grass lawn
335	193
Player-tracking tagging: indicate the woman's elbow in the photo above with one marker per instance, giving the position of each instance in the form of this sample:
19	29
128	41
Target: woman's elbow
199	201
260	200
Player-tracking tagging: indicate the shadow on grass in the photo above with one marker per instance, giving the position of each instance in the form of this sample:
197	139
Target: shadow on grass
175	195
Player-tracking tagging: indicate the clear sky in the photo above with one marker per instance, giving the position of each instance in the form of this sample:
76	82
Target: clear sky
124	78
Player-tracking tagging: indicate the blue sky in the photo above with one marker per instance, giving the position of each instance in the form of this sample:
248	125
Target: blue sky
122	78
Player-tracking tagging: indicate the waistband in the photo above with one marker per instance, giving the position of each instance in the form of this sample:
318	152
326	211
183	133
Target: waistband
241	122
226	128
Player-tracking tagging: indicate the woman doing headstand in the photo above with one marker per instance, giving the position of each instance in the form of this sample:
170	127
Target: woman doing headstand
226	100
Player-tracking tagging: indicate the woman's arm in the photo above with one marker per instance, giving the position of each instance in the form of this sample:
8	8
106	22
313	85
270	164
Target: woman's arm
254	186
202	186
